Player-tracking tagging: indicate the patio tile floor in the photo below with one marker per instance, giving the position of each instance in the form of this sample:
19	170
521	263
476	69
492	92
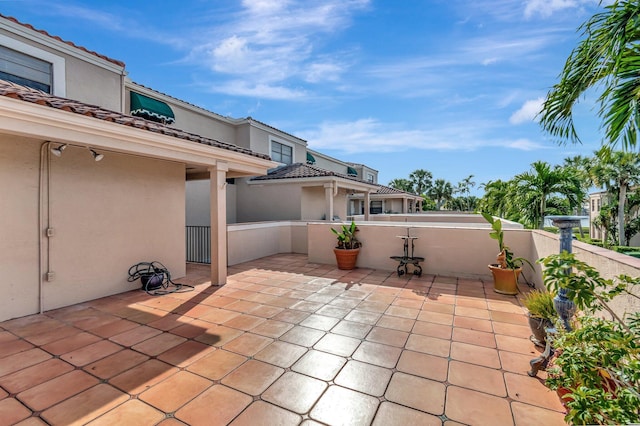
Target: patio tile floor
283	342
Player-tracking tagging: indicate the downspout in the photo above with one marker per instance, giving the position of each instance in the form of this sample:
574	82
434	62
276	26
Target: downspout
44	157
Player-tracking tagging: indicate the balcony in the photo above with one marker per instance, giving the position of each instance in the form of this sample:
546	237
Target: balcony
285	341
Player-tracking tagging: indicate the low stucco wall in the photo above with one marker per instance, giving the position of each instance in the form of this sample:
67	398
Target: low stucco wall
249	241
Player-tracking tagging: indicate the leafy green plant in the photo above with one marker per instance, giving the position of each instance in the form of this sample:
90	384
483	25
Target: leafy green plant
346	237
597	363
540	304
506	258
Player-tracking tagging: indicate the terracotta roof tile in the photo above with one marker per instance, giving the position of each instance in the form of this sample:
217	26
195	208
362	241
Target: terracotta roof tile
299	170
26	94
384	190
106	58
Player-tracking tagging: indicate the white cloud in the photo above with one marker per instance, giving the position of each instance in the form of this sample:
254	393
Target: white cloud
527	112
546	8
257	90
525	145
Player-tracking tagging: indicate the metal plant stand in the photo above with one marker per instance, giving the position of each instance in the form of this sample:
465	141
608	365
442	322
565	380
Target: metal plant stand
408	257
563	305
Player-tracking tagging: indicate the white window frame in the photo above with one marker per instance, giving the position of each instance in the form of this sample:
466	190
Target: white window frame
290	145
58	65
371	178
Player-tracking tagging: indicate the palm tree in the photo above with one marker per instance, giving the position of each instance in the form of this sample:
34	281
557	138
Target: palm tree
581	167
617	172
402	184
608	60
464	187
421	180
536	186
495	200
440	192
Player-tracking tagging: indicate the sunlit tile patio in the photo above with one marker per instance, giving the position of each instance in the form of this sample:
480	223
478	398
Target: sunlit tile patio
284	342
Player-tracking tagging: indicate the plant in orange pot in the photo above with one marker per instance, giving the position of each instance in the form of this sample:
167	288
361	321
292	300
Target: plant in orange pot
348	246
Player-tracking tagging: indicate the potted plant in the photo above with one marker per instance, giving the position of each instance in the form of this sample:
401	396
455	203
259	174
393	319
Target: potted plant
507	268
541	314
348	246
596	366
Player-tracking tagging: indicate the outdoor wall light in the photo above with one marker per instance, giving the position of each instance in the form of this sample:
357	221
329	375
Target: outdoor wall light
96	156
58	151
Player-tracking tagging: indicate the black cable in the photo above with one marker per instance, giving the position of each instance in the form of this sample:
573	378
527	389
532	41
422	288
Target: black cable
156	279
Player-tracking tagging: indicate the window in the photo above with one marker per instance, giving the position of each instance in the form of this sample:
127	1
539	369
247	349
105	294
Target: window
281	153
593	205
25	70
376	207
370	177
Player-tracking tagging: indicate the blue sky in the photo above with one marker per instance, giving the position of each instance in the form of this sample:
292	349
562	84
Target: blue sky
451	86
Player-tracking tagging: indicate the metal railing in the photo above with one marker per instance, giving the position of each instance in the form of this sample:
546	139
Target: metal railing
198	240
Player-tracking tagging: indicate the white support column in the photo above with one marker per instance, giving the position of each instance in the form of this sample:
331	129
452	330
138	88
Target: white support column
367	205
405	207
218	177
328	198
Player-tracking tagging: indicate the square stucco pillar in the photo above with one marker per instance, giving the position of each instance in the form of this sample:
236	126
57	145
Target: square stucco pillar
405	205
328	195
218	178
367	205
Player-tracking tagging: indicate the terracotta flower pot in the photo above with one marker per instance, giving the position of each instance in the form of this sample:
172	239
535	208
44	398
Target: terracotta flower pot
346	258
505	281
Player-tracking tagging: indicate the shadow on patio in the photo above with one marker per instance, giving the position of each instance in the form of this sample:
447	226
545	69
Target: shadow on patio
284	342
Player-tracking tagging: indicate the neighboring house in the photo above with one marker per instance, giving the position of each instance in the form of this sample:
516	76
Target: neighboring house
71	227
386	200
596	201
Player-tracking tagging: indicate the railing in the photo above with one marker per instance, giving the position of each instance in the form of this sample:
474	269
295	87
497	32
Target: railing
198	240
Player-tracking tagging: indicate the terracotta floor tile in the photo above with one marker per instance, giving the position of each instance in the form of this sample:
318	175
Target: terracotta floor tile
115	364
282	354
219	335
295	392
529	415
55	390
217	364
169	322
514	330
261	413
509	317
402	312
248	344
378	354
416	392
185	353
291	316
272	328
220	316
284	302
218	405
91	353
307	306
302	336
340	406
473	323
143	376
473	354
423	365
435	317
428	345
333	311
12	411
14	346
135	335
390	414
192	329
132	413
352	329
22	360
243	306
337	344
388	337
158	344
320	322
365	378
471	302
244	322
432	329
320	365
477	408
32	376
266	311
515	362
253	377
52	335
441	308
476	377
373	306
515	344
395	323
113	328
363	317
412	302
172	393
345	302
85	406
506	306
531	390
473	337
70	343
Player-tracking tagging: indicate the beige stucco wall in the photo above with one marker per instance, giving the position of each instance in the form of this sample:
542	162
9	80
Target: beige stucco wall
105	216
259	203
250	241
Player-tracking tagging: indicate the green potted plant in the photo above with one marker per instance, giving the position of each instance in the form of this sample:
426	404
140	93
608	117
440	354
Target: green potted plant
507	268
541	314
348	246
596	366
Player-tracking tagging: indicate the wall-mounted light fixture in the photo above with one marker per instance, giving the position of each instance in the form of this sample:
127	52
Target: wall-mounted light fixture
58	151
96	156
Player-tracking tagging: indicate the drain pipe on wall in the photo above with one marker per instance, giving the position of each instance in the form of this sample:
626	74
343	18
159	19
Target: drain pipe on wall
44	194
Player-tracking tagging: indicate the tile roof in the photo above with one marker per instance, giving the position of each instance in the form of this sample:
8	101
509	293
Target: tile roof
106	58
16	91
300	170
386	190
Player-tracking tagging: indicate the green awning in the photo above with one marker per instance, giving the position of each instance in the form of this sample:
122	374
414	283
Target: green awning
351	171
151	109
310	159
